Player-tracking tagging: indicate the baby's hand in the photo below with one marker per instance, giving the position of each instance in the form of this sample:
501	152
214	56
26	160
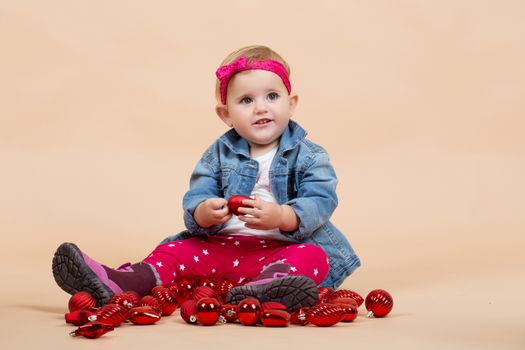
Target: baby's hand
213	211
263	216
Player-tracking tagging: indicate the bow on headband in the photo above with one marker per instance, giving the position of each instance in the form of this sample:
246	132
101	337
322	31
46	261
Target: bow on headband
226	72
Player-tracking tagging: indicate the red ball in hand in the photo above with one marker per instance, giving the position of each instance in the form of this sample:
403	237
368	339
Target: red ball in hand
235	202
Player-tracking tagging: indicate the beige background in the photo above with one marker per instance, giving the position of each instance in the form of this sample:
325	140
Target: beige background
107	105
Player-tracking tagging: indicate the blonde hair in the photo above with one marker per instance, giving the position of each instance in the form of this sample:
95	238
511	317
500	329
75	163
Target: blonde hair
251	52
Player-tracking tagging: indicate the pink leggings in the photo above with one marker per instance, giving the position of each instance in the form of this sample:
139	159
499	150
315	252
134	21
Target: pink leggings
236	258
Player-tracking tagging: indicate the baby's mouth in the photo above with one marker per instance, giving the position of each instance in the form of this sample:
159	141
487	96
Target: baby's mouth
263	121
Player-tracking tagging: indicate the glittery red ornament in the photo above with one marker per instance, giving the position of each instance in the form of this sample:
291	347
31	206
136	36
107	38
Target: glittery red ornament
167	299
347	293
112	314
128	299
248	311
299	316
228	313
379	303
324	293
202	292
188	312
273	305
81	301
150	300
79	317
275	318
92	330
235	202
207	311
325	315
143	315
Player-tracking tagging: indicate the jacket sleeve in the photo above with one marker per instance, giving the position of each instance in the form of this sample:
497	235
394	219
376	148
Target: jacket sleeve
316	198
205	182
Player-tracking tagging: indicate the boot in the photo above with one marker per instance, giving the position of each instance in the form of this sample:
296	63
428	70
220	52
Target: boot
74	271
275	284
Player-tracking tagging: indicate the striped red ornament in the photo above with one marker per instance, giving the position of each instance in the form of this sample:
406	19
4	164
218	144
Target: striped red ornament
81	301
379	303
325	315
128	299
167	299
112	314
346	293
187	311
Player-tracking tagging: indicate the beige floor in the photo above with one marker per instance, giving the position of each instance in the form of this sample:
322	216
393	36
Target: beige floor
433	310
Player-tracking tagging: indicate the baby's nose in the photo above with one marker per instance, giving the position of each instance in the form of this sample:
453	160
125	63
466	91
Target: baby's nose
260	106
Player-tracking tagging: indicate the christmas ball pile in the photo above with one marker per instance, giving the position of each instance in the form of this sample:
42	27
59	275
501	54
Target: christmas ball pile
202	302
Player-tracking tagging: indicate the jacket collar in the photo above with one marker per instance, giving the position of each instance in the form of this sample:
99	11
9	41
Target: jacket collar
290	138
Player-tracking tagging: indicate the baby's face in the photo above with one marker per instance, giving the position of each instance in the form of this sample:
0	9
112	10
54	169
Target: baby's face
259	108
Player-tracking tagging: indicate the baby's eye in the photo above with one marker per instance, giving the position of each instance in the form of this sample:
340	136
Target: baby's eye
245	100
273	96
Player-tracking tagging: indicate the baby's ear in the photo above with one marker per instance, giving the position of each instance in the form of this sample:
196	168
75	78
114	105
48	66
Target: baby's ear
222	112
294	98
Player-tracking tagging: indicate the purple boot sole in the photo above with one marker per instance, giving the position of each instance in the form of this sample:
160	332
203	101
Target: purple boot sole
293	291
73	274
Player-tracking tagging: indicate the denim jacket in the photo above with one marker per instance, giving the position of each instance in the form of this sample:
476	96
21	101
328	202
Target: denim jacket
300	175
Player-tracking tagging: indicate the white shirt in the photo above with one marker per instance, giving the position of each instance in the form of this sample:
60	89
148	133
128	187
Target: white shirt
234	226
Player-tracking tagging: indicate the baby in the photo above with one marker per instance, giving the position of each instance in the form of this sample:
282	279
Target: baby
281	246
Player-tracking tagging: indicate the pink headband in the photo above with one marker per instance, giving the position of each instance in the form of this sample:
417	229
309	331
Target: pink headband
226	72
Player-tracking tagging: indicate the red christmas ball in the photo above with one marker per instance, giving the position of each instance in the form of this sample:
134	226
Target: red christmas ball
299	316
188	311
203	292
325	315
248	311
92	330
143	315
324	293
81	301
202	281
222	288
79	317
273	305
112	314
150	300
185	288
235	202
156	288
180	294
349	306
379	303
167	299
128	299
207	311
344	301
228	313
347	293
275	318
